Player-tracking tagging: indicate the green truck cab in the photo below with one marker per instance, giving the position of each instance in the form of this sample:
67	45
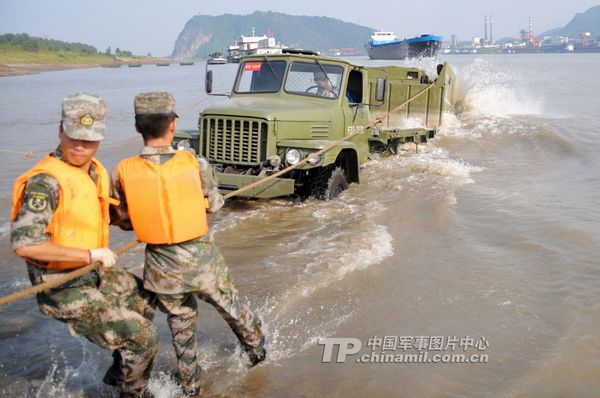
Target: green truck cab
284	107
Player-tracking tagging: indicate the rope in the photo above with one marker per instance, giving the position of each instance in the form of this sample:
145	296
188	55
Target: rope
122	249
42	287
191	107
387	115
26	154
118	141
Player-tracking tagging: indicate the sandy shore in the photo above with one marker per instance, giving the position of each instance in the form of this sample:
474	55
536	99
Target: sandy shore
28	69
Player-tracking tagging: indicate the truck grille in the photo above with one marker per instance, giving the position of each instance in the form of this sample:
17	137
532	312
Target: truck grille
230	140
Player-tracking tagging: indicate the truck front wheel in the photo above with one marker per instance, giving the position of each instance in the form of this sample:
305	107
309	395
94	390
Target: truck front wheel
328	182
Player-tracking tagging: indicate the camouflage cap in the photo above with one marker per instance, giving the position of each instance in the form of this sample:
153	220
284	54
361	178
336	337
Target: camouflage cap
83	117
154	103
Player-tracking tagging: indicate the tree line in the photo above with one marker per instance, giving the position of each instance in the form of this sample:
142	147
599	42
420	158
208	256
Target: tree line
34	44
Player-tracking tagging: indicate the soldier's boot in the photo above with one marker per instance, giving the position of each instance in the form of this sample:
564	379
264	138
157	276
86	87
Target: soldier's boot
111	377
257	354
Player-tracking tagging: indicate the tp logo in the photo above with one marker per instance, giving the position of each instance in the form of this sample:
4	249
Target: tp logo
346	346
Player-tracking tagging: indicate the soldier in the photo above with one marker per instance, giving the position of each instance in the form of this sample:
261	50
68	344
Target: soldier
323	85
60	218
162	197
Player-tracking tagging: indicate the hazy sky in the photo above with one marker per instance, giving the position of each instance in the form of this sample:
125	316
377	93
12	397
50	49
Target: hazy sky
145	26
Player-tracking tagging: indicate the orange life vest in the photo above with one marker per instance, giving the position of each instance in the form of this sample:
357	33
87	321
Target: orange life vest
166	203
81	218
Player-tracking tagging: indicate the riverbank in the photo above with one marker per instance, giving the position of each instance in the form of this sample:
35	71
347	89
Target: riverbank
28	69
15	62
34	68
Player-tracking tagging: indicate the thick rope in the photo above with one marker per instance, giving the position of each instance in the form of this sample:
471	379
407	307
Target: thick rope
122	249
42	287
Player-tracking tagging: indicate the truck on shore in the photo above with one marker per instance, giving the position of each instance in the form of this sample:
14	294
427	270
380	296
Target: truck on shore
285	107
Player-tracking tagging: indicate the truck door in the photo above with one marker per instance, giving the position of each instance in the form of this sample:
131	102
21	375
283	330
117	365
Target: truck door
356	115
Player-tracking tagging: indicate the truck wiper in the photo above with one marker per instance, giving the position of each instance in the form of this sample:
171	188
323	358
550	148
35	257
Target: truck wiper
271	67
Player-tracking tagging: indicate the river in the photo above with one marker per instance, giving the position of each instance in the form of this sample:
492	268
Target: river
485	243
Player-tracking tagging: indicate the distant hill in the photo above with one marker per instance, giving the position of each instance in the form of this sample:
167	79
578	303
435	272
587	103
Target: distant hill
552	32
506	39
205	34
588	21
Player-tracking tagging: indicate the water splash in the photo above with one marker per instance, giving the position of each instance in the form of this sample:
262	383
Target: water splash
64	380
491	92
163	385
431	161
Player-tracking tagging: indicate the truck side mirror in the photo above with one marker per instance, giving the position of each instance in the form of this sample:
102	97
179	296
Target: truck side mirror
208	80
380	89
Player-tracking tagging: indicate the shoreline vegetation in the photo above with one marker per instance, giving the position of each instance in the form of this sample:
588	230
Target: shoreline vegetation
21	54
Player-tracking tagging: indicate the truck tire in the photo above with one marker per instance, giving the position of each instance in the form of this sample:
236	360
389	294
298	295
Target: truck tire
328	182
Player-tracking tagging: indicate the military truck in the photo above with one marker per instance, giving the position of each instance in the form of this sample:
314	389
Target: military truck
284	107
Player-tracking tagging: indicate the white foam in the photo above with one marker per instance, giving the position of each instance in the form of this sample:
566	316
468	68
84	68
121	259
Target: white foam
430	160
163	385
338	256
258	210
457	171
290	337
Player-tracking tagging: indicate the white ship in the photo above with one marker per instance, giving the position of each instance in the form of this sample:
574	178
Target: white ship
251	45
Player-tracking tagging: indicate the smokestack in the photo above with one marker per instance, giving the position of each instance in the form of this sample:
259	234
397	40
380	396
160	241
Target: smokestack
491	29
485	26
530	28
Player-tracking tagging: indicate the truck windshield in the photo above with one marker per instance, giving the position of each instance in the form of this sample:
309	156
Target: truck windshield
317	80
260	77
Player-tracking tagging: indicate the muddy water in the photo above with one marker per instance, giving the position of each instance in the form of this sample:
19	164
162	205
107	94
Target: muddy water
488	233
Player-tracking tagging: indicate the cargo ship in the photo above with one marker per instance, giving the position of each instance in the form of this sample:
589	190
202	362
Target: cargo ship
385	45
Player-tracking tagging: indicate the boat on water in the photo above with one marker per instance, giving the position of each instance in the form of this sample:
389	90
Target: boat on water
216	59
385	45
254	45
186	63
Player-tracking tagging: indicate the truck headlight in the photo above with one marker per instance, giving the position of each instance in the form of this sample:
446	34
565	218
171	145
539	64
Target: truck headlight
293	156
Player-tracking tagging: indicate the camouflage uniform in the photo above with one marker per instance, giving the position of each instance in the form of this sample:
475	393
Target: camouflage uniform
178	272
107	308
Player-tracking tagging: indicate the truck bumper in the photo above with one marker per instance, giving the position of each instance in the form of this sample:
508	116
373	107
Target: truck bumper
272	189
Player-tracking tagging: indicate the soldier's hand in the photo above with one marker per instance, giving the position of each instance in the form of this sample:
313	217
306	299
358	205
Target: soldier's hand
107	257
